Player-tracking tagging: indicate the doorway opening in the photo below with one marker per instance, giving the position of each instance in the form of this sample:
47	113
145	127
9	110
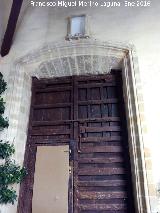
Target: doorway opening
87	115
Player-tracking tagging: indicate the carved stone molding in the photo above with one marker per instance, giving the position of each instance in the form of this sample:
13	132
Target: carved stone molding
74	58
78	58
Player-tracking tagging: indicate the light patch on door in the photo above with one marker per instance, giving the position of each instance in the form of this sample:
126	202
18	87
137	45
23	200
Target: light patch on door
50	191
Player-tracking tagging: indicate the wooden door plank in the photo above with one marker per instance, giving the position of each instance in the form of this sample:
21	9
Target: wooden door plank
104	149
101	171
92	120
96	102
50	106
101	160
101	195
114	183
103	207
84	129
53	89
101	139
50	132
106	78
94	85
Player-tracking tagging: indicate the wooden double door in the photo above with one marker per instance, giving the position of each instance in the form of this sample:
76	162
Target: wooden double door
86	113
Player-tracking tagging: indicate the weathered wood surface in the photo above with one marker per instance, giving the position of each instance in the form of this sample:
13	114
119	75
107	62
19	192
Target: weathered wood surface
86	110
101	195
101	171
100	207
101	139
104	149
102	183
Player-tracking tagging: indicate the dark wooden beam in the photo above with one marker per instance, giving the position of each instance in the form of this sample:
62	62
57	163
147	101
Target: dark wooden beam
11	27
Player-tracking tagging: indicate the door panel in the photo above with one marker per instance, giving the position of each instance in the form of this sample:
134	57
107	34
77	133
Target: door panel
86	113
50	191
100	173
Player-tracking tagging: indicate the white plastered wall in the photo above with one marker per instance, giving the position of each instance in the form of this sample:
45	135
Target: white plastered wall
41	26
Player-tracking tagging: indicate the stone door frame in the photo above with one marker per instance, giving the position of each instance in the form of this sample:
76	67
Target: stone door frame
64	55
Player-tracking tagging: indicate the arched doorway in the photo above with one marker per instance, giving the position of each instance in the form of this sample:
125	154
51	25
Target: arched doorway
74	58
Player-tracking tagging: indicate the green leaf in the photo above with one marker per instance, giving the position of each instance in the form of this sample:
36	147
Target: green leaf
7	195
2	107
11	173
3	123
3	84
6	150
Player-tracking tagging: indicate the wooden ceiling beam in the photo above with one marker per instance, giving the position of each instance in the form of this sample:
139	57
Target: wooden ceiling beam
11	27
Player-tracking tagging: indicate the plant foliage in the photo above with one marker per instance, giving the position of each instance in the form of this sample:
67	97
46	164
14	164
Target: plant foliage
10	172
6	149
2	107
7	195
3	84
3	123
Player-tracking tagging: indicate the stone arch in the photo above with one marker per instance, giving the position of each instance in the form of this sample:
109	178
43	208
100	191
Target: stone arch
73	58
77	58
